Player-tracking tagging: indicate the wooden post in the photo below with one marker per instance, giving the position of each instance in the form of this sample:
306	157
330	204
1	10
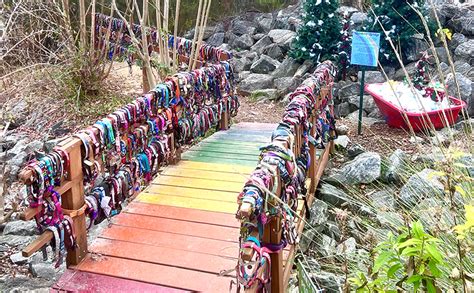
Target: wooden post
312	154
224	123
73	199
272	234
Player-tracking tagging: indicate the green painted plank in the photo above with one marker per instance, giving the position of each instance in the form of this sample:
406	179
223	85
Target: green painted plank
226	149
249	163
240	139
195	154
233	143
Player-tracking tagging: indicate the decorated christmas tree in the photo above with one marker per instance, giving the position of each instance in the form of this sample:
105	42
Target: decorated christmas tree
318	37
401	23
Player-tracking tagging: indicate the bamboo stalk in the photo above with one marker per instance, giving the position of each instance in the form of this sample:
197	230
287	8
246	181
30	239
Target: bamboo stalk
175	35
201	35
82	24
166	9
91	48
198	17
158	29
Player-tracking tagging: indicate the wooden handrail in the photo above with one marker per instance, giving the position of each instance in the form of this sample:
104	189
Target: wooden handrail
272	233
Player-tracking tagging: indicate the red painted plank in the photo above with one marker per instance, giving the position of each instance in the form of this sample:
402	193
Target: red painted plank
77	281
156	274
178	227
164	256
176	241
190	215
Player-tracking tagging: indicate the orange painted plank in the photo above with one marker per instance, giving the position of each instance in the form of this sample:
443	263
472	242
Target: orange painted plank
164	256
178	227
239	169
184	214
177	241
77	281
191	192
199	183
188	202
203	174
156	274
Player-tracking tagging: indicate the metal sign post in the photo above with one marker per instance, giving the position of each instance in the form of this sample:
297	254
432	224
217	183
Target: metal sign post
365	52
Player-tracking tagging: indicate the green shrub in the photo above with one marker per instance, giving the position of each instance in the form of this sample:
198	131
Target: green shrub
318	37
401	22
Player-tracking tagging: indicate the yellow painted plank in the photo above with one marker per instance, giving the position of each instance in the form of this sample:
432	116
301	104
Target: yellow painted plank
216	167
185	202
191	192
203	174
199	183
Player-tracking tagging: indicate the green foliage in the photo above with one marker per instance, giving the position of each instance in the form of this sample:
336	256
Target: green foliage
320	34
409	261
401	22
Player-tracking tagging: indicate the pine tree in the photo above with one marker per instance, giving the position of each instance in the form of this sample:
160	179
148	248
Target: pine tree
318	37
401	22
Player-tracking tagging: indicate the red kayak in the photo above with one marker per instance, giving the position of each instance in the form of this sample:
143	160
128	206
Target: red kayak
419	121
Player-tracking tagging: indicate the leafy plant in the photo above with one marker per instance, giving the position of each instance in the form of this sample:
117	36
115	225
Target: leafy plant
409	261
401	23
320	33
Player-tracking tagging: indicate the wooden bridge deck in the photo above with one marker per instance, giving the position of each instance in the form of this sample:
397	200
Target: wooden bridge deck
181	231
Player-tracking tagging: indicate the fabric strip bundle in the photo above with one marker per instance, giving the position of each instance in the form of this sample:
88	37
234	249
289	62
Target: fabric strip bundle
121	152
121	41
282	172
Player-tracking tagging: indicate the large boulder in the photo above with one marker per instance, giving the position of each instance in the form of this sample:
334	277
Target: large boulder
21	228
327	246
416	45
423	184
282	37
286	84
242	27
372	76
462	22
262	44
368	103
456	40
329	282
433	213
383	200
343	109
465	87
347	247
332	195
465	51
265	94
346	89
442	54
216	39
243	42
264	22
287	68
400	73
254	82
365	168
318	213
275	51
305	67
396	169
264	64
16	113
242	64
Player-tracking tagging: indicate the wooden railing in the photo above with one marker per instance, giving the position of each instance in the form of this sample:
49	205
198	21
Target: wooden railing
272	230
71	188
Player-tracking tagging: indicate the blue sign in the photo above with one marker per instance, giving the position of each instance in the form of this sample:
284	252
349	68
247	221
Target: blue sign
365	48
